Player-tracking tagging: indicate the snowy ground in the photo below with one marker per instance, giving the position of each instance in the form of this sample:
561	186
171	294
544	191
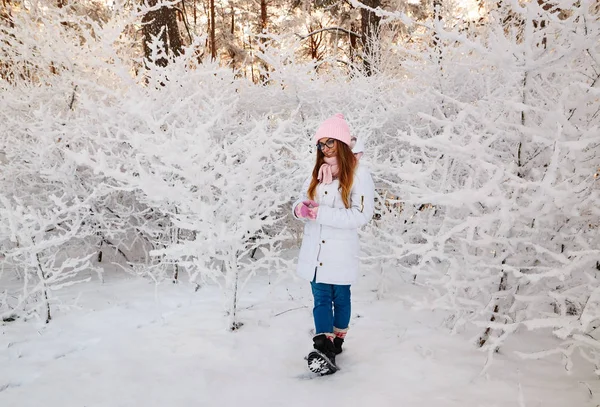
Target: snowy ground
127	345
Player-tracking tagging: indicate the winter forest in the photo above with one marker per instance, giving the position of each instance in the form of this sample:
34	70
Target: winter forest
151	150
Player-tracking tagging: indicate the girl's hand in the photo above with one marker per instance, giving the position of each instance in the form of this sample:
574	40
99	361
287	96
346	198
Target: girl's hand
302	211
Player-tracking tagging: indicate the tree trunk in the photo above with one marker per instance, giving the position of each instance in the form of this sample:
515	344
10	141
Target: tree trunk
520	172
353	41
437	9
483	339
370	33
176	237
213	42
232	275
263	16
264	75
161	23
251	58
174	36
42	277
195	15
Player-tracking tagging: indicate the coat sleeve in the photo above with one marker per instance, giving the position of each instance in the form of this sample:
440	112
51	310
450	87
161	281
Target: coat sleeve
303	197
361	211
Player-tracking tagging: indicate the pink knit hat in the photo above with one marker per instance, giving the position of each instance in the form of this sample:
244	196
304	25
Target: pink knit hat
336	128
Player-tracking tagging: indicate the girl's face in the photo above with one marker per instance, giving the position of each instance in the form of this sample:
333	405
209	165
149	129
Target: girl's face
325	144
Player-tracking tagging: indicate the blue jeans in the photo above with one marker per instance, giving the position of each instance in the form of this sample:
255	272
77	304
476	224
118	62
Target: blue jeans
331	306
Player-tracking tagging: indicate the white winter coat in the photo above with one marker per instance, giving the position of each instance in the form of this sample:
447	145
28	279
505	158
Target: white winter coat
330	246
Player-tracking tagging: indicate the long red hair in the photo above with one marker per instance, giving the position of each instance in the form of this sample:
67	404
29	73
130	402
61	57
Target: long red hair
346	164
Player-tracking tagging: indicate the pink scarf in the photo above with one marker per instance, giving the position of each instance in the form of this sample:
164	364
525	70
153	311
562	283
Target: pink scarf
329	170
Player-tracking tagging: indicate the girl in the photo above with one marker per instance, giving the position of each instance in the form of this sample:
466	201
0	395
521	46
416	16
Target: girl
336	200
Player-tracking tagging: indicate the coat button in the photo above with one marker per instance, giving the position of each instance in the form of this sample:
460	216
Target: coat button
322	241
320	264
325	192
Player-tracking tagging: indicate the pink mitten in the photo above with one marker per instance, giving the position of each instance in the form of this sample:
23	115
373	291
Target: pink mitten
298	211
313	212
304	211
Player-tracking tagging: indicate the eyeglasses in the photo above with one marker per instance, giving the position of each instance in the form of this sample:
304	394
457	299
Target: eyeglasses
329	143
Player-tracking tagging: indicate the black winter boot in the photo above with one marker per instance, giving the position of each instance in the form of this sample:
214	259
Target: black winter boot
322	359
337	345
